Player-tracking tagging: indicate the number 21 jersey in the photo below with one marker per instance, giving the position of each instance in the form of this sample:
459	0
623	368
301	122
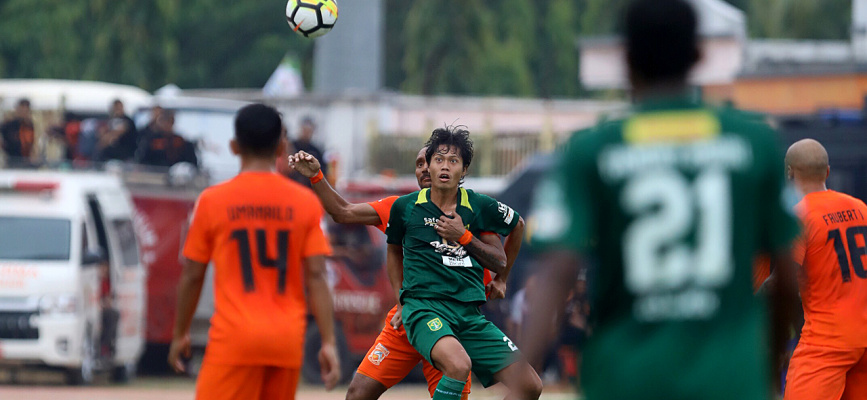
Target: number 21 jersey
257	228
672	202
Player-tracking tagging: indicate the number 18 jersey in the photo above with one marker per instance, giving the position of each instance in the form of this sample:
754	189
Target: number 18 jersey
673	202
257	228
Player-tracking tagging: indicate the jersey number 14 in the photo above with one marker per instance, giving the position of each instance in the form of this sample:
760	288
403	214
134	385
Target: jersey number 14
242	236
656	254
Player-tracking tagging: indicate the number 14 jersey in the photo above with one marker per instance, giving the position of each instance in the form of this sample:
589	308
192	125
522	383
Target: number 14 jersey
257	228
673	202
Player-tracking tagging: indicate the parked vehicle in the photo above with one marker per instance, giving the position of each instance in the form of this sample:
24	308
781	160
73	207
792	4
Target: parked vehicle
72	287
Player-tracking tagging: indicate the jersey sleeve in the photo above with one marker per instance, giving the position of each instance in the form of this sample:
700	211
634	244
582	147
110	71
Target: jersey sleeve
315	241
383	209
562	207
199	244
780	226
396	227
497	217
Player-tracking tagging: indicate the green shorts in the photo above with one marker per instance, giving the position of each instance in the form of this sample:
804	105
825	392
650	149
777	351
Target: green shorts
429	320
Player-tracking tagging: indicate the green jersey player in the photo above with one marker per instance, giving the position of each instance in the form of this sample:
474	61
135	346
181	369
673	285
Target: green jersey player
440	286
672	203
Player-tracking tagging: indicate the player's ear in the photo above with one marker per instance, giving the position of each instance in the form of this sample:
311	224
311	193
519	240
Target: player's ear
236	149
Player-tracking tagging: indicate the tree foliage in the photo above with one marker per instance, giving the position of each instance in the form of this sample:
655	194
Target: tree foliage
504	47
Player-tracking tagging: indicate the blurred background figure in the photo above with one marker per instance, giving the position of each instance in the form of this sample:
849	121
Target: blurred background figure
305	143
164	147
118	141
19	136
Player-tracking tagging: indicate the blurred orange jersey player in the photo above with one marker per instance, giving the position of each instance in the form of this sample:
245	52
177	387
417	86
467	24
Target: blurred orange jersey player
392	357
830	361
263	234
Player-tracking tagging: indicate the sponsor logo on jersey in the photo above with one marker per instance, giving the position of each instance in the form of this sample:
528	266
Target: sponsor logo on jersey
449	249
508	213
378	354
435	324
430	221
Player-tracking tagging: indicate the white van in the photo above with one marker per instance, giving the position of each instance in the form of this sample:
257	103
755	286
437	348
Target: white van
57	232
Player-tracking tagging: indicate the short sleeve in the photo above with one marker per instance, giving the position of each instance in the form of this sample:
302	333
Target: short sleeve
199	244
562	207
780	225
396	227
315	242
383	209
497	217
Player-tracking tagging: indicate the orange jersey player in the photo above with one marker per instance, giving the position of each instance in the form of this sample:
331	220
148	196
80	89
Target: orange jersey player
263	234
392	357
830	361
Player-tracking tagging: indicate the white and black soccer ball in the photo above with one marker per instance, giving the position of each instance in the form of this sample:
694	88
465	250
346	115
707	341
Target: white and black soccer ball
311	18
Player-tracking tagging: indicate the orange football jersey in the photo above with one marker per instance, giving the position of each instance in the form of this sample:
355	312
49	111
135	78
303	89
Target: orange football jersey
257	228
833	279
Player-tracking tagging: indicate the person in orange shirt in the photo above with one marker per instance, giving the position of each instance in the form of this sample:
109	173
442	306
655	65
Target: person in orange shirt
830	361
392	357
262	232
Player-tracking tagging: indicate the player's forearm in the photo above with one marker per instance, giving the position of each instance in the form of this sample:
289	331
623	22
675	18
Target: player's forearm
558	271
341	210
394	268
512	247
189	290
319	296
783	292
488	255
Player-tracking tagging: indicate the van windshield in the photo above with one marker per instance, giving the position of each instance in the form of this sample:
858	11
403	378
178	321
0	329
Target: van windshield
34	238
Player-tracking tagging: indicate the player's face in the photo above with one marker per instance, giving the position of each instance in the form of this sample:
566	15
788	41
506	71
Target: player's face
422	175
446	167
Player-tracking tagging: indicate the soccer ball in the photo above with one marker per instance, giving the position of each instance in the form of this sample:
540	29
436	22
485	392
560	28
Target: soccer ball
311	18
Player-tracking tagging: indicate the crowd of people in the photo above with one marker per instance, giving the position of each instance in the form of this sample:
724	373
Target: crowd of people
81	142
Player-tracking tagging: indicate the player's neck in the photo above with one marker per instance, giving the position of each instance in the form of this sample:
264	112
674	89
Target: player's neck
811	187
444	198
255	164
660	90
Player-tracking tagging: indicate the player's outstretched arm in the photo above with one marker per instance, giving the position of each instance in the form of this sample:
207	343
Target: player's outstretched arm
189	290
341	210
394	268
558	271
319	296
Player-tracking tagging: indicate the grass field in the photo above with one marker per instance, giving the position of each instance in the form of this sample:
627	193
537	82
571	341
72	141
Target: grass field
45	385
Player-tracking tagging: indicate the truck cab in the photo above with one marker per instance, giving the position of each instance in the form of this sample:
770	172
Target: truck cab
72	287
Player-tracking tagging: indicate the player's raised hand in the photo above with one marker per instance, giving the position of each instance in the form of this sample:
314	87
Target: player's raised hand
304	163
450	227
179	347
329	365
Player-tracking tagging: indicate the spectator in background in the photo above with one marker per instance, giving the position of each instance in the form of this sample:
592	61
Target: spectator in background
163	147
305	143
19	136
151	127
118	142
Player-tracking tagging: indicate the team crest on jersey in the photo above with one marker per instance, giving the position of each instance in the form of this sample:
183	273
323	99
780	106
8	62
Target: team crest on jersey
508	213
435	324
378	354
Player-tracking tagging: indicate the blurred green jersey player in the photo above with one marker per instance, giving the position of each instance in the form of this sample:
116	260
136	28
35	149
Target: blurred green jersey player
671	203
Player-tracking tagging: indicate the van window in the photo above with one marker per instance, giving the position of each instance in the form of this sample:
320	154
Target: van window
17	238
126	237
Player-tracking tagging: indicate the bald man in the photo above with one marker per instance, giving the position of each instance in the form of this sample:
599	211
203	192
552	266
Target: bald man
830	361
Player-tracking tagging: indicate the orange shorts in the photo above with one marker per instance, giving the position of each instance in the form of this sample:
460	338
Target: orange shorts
392	358
254	382
821	373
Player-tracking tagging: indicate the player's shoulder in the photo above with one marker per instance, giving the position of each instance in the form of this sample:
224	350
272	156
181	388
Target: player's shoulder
849	199
410	198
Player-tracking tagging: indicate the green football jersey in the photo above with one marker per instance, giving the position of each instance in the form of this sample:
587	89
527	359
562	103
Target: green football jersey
434	268
672	204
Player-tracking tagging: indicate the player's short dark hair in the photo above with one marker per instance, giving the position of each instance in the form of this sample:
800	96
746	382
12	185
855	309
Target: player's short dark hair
661	39
25	102
449	136
258	129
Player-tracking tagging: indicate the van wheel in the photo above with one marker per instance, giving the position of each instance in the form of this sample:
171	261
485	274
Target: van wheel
83	374
310	367
124	373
